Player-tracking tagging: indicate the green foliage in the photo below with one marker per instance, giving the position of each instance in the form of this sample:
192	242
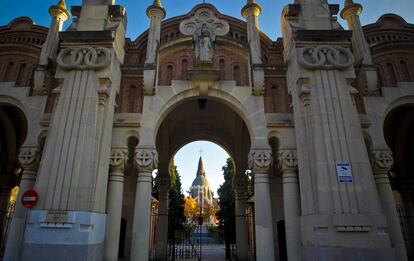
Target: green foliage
226	213
176	203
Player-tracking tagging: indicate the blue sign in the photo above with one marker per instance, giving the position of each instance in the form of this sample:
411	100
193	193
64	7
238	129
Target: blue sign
344	172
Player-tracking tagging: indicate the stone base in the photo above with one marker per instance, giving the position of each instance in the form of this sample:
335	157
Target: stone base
80	238
347	254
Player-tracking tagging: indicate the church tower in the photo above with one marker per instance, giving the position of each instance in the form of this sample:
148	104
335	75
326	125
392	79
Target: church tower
200	188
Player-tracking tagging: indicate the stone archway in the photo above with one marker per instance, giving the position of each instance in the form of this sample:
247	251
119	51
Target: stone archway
398	133
205	119
13	131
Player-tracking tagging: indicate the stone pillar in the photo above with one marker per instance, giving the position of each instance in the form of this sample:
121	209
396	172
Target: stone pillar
239	186
147	161
382	162
114	203
156	13
59	15
163	185
260	162
367	76
288	161
28	158
251	12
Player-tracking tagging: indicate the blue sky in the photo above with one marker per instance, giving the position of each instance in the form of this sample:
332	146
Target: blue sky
214	157
138	21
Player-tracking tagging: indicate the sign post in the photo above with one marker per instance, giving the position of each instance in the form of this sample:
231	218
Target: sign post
29	198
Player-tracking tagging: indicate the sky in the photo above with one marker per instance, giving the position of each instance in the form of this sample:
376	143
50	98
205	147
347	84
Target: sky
214	158
138	21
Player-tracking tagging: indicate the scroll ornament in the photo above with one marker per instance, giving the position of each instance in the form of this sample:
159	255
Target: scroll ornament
84	58
325	58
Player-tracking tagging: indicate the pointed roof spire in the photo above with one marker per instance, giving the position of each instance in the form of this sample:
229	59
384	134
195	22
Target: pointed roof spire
59	9
200	169
157	3
62	4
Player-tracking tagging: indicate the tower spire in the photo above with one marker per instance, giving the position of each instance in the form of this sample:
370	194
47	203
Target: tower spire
200	169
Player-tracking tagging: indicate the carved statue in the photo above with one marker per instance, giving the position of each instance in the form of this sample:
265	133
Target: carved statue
204	26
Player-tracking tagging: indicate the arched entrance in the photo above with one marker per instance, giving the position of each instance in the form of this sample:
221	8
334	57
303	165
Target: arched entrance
398	132
13	131
204	119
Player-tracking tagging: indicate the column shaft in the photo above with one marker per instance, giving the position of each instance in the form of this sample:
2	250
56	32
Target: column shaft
291	204
114	211
14	240
241	225
263	218
388	204
162	227
142	218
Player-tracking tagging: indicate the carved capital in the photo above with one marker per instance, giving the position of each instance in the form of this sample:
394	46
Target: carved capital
381	161
118	160
29	158
163	183
239	184
84	58
325	57
146	159
288	160
260	161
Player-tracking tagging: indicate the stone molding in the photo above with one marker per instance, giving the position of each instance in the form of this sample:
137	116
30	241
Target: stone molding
381	161
146	159
29	158
325	57
84	58
288	160
260	161
118	159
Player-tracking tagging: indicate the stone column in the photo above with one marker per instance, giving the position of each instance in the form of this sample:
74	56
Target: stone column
382	162
288	161
239	186
114	203
28	158
260	162
147	161
163	185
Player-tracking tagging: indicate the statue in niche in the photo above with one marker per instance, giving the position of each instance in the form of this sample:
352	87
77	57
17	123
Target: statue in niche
204	44
204	26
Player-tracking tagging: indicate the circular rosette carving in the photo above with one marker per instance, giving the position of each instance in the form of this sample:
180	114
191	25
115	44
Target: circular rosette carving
288	160
28	157
326	58
146	159
382	160
260	160
84	58
118	159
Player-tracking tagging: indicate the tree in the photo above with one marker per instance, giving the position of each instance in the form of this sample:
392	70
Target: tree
176	203
191	210
226	213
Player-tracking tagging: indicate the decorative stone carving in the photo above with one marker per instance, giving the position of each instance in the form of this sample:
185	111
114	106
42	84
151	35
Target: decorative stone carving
260	161
29	158
84	58
204	26
239	184
288	160
146	159
325	58
118	160
381	161
163	183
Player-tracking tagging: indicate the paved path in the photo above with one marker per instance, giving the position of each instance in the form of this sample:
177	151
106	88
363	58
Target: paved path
210	253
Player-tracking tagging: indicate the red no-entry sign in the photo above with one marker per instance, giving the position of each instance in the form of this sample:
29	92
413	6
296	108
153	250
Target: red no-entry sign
30	198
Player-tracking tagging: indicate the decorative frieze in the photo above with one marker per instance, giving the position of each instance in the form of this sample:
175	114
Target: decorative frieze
84	58
260	161
146	159
325	57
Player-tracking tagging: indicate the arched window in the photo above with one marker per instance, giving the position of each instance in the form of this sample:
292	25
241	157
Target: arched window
21	79
7	75
169	75
236	75
392	75
132	97
184	69
405	71
222	68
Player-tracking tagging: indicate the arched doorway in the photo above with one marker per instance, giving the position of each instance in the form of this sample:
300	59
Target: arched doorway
398	132
205	119
13	131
